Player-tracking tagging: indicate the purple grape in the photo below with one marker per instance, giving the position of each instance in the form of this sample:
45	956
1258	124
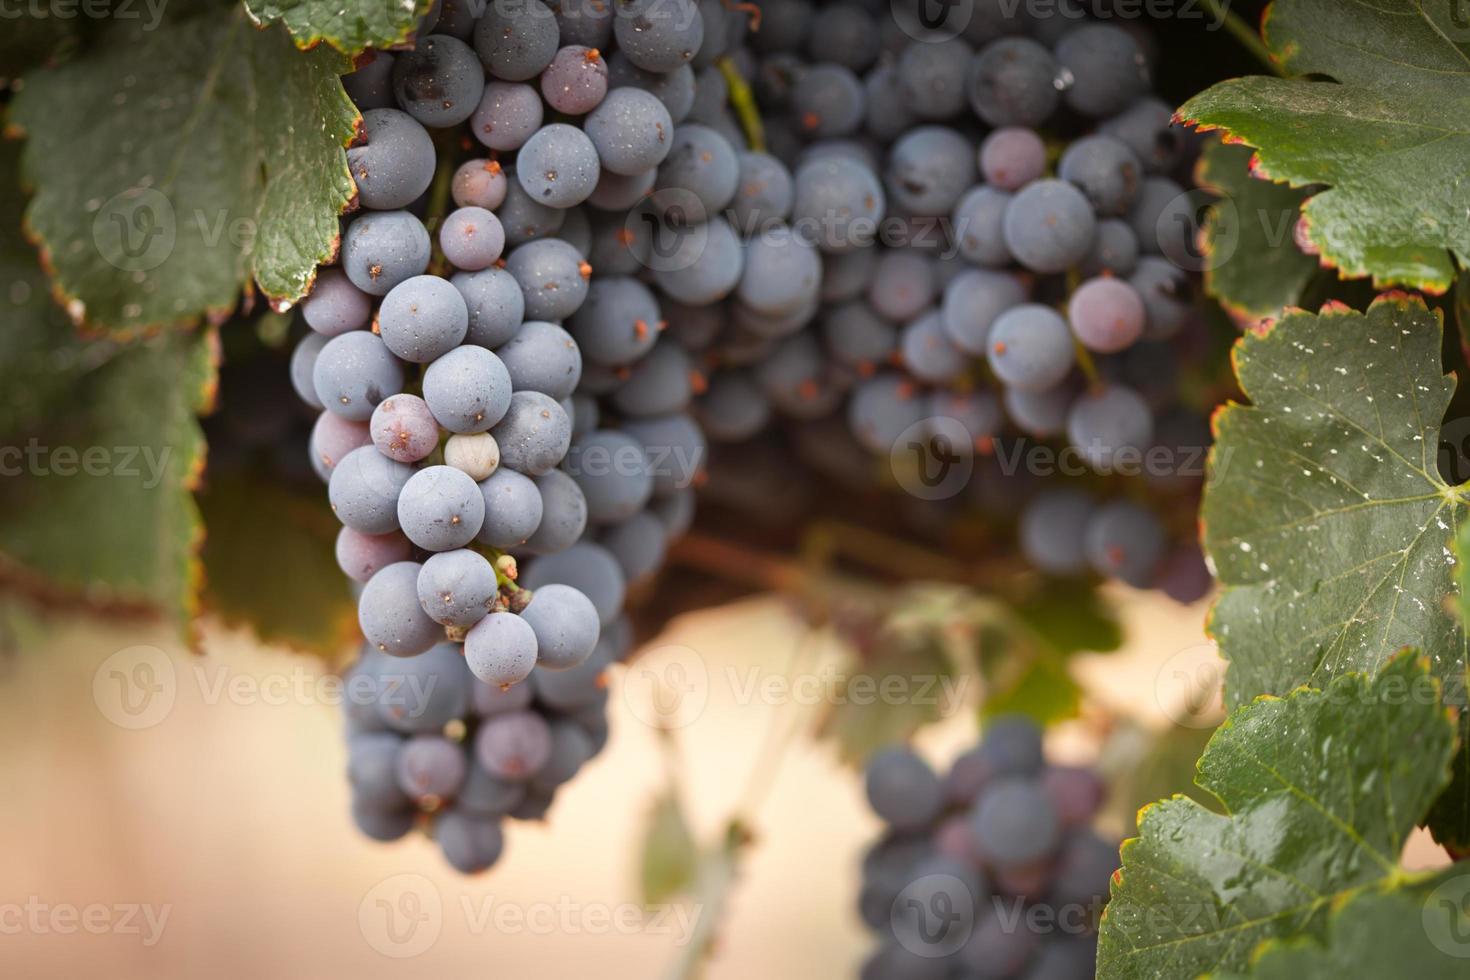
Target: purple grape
1030	347
390	615
507	115
557	166
395	165
512	509
513	746
332	438
423	319
467	389
516	41
361	556
472	239
501	649
1106	314
575	81
431	769
457	588
440	509
479	184
335	305
1012	157
404	429
439	81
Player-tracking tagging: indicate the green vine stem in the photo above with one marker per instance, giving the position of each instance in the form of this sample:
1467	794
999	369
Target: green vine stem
1245	34
742	99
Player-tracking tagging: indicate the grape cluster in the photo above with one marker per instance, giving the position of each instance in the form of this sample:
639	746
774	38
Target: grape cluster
961	238
427	740
991	871
504	437
681	220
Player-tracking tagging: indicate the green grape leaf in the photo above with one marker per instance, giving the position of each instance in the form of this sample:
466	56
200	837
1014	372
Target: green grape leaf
670	857
1325	514
1418	928
1042	690
1387	134
1320	790
225	162
257	526
1254	268
99	448
1070	617
351	26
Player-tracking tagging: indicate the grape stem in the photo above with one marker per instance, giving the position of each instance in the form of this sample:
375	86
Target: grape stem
1087	365
895	559
1245	34
719	867
742	99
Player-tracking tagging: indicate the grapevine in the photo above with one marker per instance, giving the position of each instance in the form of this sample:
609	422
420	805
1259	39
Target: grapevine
464	346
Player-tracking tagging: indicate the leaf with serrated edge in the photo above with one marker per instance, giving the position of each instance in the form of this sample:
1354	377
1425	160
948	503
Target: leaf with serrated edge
1325	515
226	162
1263	270
101	448
1390	134
1320	790
351	26
1382	932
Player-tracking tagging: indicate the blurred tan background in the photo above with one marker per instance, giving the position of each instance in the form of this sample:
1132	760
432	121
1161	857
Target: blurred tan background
226	811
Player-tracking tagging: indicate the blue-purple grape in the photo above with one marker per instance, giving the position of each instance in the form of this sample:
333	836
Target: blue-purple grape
383	248
516	41
501	649
1030	347
457	588
495	304
534	434
631	130
440	509
395	165
512	509
439	82
390	615
423	318
467	389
